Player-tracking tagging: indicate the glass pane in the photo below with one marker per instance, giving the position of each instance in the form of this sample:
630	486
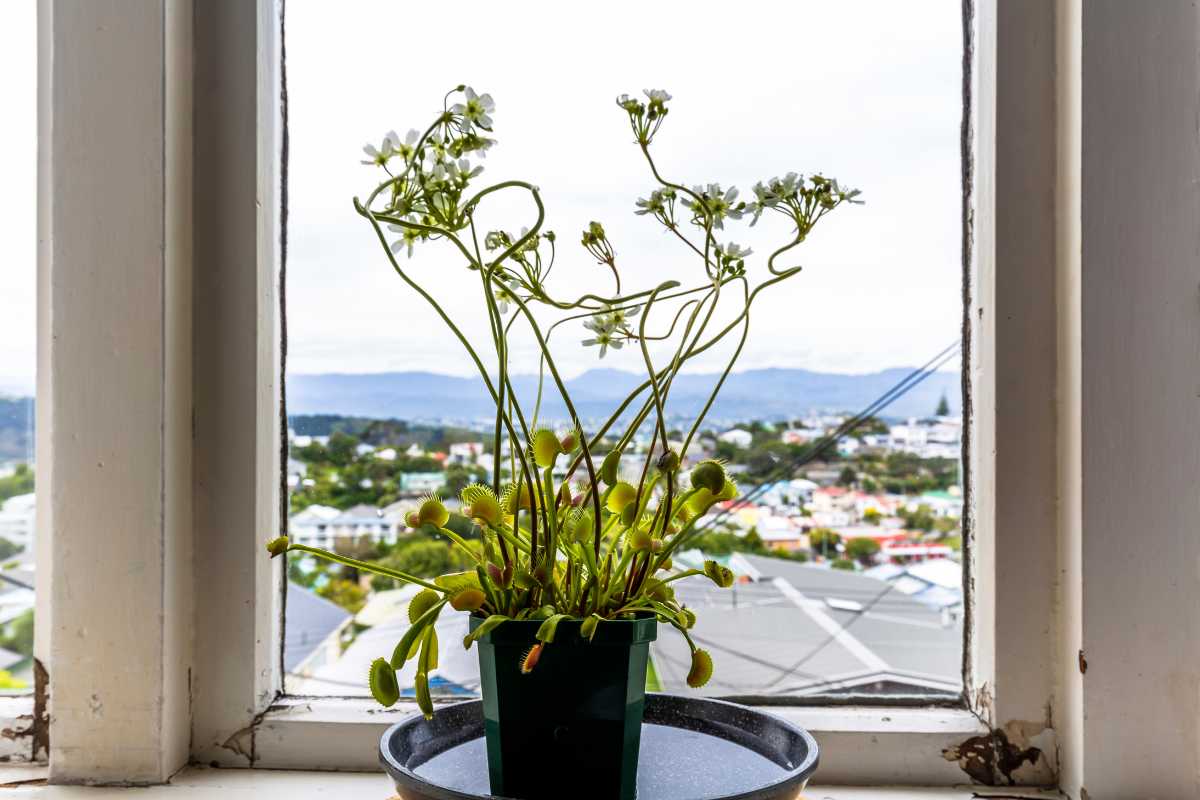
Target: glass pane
18	342
841	421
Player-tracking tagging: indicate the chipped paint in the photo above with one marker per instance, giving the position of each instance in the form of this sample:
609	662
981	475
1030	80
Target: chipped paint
38	731
1082	664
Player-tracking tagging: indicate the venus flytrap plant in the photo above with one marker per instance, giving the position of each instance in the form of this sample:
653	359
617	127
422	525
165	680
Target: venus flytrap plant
543	550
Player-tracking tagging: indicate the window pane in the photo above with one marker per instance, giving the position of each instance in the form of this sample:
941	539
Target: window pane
18	336
841	421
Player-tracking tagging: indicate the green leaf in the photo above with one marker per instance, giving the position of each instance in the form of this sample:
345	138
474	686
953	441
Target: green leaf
383	684
421	603
485	627
588	628
455	582
430	653
424	701
720	575
407	645
546	632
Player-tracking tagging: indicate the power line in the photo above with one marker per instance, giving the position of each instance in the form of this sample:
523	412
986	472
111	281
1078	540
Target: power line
898	390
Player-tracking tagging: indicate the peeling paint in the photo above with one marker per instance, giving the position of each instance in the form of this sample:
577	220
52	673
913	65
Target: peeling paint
38	731
1082	664
995	759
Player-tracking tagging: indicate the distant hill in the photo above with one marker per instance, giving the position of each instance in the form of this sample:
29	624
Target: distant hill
16	428
754	394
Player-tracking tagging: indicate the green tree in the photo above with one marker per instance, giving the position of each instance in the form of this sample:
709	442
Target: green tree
921	519
19	635
943	407
847	477
20	482
345	593
424	558
863	550
843	563
341	449
872	516
823	541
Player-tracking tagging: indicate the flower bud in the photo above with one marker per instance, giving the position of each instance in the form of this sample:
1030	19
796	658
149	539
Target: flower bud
277	546
668	461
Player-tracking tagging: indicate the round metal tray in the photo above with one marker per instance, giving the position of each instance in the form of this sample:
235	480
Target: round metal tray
692	749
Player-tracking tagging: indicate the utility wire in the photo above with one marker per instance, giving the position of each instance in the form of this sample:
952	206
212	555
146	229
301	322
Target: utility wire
901	388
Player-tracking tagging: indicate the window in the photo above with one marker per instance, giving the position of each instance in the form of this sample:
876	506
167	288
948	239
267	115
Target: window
18	349
850	564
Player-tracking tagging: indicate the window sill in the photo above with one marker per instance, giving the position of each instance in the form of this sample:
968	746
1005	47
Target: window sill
233	784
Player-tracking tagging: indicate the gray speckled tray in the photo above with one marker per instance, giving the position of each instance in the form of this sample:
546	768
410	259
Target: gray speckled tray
692	749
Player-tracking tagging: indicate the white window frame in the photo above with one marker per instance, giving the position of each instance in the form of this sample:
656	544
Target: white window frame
159	229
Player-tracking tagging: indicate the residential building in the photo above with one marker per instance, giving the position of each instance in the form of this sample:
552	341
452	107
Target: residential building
18	520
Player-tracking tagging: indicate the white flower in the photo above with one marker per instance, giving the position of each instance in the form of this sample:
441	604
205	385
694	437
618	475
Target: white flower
408	237
734	252
381	155
477	109
461	171
605	339
407	148
657	95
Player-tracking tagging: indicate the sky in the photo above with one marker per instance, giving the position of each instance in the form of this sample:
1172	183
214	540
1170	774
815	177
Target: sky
867	92
18	206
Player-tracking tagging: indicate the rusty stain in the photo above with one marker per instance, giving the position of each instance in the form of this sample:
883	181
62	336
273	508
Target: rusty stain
1082	664
990	758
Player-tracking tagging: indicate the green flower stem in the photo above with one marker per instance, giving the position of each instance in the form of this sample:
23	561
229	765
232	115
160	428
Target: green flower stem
374	220
365	566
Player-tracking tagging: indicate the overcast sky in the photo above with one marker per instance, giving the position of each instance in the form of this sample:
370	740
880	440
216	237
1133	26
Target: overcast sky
868	92
18	200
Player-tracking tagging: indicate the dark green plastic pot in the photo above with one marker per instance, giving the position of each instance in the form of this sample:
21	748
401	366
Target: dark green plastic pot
572	726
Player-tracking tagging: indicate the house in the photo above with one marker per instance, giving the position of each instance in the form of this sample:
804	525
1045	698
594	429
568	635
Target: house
737	437
365	521
312	635
18	518
799	436
312	526
464	453
417	483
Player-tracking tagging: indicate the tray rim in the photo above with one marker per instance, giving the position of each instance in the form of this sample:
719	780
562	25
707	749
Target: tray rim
797	777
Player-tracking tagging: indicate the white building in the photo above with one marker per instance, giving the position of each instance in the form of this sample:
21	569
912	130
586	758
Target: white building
737	437
312	526
465	453
17	520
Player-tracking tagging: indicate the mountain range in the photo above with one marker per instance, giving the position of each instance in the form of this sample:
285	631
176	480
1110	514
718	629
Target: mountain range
767	394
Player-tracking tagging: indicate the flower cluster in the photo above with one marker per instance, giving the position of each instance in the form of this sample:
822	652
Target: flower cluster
802	201
661	204
611	328
431	171
711	205
645	118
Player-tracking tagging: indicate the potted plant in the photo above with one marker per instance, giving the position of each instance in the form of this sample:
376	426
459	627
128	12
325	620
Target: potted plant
573	537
